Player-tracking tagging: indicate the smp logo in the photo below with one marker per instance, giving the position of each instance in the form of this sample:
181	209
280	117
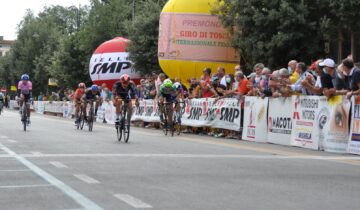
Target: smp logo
111	67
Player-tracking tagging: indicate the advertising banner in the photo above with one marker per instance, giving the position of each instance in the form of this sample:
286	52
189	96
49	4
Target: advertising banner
354	140
280	120
147	111
309	120
255	119
337	124
224	113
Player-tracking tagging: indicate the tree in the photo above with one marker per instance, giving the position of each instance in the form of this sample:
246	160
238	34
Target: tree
144	32
276	31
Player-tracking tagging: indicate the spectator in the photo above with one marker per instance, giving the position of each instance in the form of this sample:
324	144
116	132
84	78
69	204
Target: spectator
294	76
281	88
103	93
264	87
305	76
221	75
331	80
352	77
40	97
315	89
159	81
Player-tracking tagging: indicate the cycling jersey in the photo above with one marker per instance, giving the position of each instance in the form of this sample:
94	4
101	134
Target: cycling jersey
25	89
168	93
124	93
88	95
79	93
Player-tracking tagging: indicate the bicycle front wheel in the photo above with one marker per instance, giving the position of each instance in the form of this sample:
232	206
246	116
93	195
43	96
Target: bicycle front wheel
126	128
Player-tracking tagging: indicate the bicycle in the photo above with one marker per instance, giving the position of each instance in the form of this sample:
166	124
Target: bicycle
81	118
166	126
24	116
177	119
123	127
90	117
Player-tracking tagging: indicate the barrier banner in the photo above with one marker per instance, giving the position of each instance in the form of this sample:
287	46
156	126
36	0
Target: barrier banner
255	119
224	113
337	124
354	141
68	109
54	107
39	107
147	111
280	120
308	119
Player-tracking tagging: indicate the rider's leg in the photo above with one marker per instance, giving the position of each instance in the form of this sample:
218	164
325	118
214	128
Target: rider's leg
97	102
161	108
129	110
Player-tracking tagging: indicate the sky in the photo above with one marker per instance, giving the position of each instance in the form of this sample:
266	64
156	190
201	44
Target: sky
13	11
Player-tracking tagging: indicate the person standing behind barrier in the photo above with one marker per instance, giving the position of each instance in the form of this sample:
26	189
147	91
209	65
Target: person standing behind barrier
293	74
331	80
317	88
301	69
352	77
159	82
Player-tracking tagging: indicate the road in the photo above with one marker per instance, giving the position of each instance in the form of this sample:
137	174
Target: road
53	166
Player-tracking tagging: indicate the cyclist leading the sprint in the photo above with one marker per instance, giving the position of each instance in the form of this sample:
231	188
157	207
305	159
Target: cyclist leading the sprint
91	94
123	91
168	93
80	91
25	93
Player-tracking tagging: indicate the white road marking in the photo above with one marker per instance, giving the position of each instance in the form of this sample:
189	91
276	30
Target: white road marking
203	156
25	186
14	170
132	201
76	196
11	141
36	153
58	164
86	179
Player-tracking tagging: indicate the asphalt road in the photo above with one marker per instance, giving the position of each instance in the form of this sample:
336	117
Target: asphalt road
53	166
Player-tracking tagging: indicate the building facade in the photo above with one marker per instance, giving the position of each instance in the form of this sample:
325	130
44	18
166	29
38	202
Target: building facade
5	46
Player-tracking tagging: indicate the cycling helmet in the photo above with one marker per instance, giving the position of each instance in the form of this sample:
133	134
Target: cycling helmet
94	88
82	85
25	77
177	85
125	78
168	83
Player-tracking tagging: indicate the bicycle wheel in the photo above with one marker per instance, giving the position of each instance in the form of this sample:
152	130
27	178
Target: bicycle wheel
176	123
118	132
91	118
126	127
24	116
82	119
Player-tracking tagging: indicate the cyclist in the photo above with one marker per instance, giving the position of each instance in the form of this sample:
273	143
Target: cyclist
168	93
80	91
2	101
91	94
123	91
25	93
179	97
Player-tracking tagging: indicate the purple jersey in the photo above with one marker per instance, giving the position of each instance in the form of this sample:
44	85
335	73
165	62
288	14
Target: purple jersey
25	88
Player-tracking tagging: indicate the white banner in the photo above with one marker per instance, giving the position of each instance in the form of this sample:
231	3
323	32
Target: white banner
68	109
224	113
280	120
309	118
255	119
354	139
147	111
337	125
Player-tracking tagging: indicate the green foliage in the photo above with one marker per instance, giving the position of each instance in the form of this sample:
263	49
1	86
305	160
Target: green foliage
144	32
276	31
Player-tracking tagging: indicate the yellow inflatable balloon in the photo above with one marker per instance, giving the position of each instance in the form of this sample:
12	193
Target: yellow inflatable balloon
191	39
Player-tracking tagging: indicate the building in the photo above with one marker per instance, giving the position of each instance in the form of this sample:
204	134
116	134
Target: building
5	46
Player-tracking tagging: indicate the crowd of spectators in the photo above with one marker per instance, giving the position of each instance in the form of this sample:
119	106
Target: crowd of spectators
322	77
